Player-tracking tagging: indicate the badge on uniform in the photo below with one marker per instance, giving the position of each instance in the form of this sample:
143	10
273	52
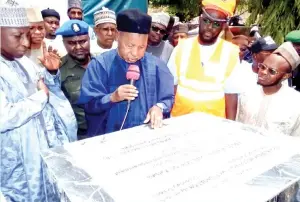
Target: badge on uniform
75	27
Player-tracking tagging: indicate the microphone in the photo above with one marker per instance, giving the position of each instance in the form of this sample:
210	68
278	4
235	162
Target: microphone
133	74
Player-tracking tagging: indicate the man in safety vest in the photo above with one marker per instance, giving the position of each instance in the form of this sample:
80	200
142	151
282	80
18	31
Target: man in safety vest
202	66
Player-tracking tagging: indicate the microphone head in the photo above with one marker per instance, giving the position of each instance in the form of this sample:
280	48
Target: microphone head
133	73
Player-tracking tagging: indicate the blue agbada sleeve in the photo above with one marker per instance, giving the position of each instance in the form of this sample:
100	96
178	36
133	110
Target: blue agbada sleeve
165	83
94	93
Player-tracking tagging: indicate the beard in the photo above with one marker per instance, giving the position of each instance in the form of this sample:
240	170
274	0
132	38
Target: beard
275	83
81	59
210	40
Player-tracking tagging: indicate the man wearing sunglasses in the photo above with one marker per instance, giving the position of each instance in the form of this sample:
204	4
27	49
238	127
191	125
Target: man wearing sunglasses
156	45
202	66
272	105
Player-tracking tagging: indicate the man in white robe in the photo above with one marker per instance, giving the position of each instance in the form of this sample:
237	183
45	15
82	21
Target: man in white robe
272	105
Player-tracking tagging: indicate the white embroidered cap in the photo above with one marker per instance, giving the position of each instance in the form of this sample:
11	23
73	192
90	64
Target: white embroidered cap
105	15
13	17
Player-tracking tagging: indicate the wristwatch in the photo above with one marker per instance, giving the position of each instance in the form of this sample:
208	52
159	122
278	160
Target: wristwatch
161	106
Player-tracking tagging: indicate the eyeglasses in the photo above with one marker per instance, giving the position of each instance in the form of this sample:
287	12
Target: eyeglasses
158	30
270	70
215	24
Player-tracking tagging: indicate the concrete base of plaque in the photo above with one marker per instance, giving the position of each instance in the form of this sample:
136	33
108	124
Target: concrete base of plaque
196	157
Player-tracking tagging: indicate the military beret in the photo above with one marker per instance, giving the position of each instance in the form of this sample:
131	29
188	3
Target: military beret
73	28
50	13
293	36
134	21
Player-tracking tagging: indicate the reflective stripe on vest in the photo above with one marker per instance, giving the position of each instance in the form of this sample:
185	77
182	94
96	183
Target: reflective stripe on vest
201	88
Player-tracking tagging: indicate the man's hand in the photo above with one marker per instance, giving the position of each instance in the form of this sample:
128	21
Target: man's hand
124	92
42	86
155	116
50	58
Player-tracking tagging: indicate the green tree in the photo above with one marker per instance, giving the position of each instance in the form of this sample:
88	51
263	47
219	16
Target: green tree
277	17
185	9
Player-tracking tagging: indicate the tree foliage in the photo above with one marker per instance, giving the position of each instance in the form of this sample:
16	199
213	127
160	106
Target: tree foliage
185	9
277	17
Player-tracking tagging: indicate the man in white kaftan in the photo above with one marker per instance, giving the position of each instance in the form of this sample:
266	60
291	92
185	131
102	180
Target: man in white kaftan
271	105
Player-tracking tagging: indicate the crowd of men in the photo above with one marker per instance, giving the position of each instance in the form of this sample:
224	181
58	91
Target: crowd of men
60	83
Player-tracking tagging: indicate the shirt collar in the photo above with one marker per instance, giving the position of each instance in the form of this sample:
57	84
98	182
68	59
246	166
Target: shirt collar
71	63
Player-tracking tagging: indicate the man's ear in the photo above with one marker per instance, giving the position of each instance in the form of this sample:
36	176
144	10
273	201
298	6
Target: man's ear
287	76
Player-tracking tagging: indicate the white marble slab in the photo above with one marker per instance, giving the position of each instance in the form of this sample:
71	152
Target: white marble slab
192	158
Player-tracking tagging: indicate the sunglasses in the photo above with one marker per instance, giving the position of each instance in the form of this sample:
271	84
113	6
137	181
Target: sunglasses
270	70
215	24
158	30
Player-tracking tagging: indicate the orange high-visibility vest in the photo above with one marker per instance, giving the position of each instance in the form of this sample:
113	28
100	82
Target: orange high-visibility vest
201	88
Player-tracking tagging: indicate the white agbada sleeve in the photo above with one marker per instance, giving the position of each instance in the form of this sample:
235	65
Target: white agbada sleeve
14	115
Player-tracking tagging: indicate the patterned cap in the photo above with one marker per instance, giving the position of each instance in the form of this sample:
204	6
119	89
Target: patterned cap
34	15
13	17
74	4
181	28
161	18
104	16
288	52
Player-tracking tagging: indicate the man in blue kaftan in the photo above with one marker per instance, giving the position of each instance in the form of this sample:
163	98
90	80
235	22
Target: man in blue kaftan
28	123
106	90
